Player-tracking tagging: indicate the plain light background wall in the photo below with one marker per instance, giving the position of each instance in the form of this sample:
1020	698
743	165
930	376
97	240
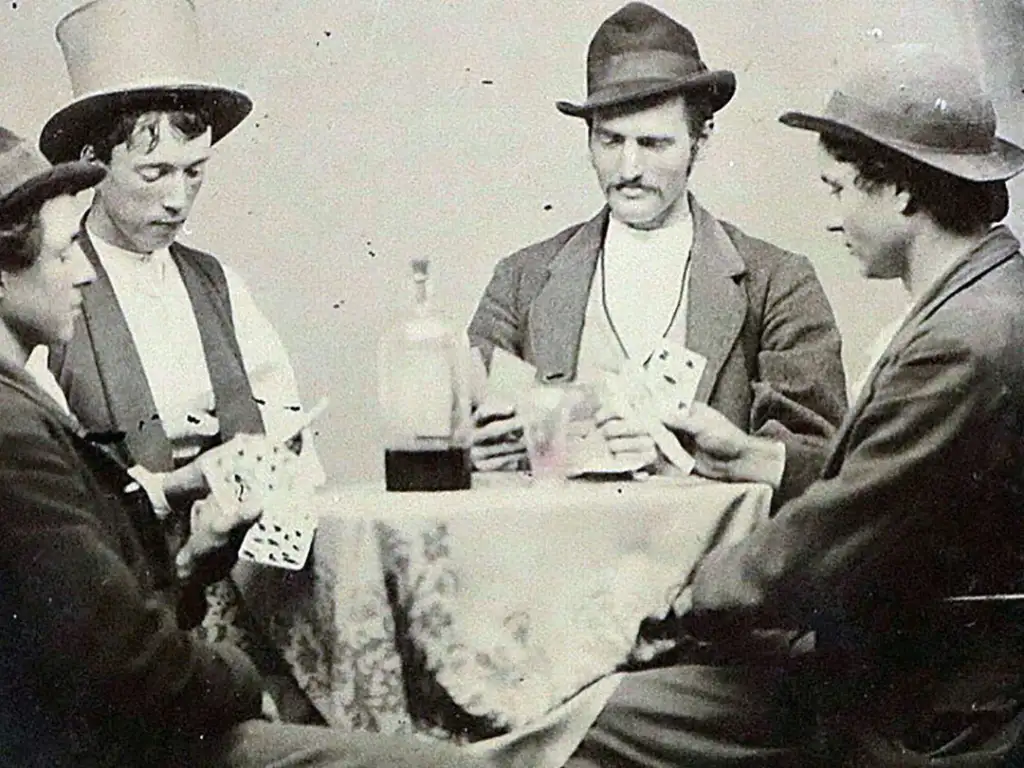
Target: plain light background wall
386	130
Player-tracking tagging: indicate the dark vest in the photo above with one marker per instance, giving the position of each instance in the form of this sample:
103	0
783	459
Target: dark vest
102	377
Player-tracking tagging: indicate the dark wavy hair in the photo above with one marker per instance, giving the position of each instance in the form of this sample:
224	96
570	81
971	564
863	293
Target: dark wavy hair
21	241
126	127
956	205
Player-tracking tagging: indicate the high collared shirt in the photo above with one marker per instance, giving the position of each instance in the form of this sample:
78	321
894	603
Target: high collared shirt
158	312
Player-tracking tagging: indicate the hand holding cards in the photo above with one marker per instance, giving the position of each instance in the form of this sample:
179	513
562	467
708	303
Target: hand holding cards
255	477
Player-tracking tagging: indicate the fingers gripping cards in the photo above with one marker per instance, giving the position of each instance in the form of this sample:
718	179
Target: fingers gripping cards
260	478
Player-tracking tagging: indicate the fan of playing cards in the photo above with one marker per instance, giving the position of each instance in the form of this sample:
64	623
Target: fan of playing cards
262	479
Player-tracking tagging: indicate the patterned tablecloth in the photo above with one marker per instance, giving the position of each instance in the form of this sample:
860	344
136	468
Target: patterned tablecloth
479	613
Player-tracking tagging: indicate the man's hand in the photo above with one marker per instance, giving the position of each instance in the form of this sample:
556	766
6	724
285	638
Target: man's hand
626	437
723	451
497	439
210	528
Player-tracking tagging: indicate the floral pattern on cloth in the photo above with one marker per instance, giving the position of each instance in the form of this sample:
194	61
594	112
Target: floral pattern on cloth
343	651
480	680
223	621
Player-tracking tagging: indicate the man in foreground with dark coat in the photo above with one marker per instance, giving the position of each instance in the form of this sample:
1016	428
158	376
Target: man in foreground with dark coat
97	668
906	555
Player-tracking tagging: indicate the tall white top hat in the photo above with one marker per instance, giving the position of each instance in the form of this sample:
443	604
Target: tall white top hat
134	55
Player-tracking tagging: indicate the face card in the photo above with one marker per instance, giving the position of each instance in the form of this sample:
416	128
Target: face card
673	373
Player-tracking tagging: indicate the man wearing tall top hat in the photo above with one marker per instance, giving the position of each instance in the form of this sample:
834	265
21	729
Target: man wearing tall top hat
655	270
97	671
171	355
906	554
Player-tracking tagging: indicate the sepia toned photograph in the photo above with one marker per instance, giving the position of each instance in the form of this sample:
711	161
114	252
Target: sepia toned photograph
514	384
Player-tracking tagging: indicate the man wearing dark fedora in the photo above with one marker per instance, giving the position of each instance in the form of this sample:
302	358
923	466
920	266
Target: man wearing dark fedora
654	269
906	555
171	354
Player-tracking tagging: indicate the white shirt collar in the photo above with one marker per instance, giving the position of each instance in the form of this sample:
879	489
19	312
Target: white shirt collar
106	249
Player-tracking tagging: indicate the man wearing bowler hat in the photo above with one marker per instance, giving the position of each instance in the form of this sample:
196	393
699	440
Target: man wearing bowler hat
906	555
171	356
653	270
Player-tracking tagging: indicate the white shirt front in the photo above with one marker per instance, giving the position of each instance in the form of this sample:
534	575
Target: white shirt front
158	311
643	273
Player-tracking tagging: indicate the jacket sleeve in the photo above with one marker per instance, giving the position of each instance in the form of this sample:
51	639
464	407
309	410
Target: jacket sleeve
498	321
799	393
920	461
112	647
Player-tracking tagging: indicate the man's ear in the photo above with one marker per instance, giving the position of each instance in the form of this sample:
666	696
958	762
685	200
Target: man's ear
902	199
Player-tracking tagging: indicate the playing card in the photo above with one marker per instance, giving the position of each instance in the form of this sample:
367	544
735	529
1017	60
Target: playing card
280	540
261	478
672	374
632	395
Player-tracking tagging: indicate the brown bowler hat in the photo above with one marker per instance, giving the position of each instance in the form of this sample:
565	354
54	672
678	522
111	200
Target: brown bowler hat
640	52
27	180
924	106
128	55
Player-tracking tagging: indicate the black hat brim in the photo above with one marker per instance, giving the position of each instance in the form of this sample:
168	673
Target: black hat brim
76	125
1004	161
719	85
62	179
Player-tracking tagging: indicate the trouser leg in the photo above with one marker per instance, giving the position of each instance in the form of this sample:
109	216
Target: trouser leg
260	744
699	717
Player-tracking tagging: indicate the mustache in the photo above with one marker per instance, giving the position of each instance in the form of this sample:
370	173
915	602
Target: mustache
631	185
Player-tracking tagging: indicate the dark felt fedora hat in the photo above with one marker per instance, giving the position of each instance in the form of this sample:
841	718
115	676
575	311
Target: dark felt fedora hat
27	180
639	52
923	105
129	55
